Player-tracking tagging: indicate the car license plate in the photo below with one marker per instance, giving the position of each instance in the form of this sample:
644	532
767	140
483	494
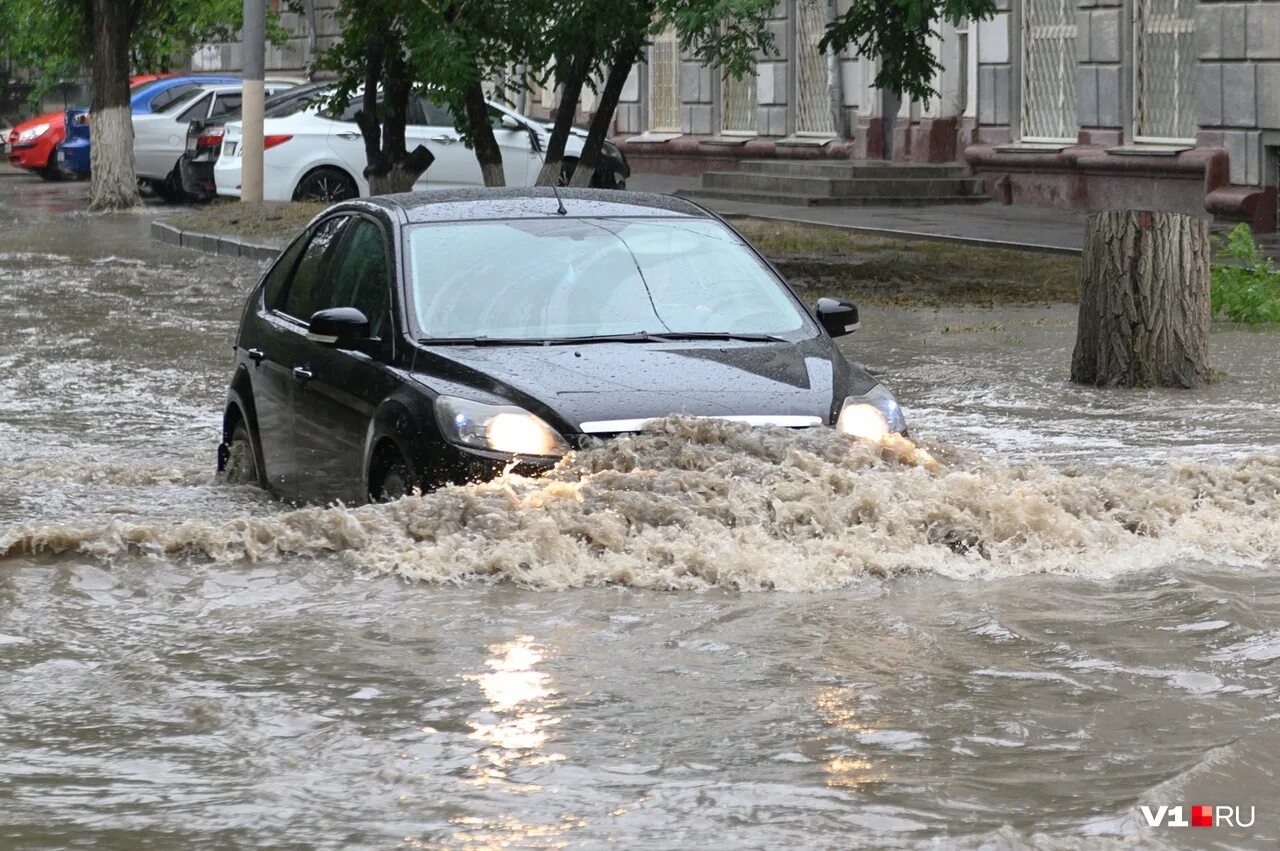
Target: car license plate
228	149
62	156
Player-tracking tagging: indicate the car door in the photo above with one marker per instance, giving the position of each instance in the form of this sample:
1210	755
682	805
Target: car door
456	164
282	349
336	403
158	138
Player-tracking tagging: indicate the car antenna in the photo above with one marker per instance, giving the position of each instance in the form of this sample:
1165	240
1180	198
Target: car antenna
555	187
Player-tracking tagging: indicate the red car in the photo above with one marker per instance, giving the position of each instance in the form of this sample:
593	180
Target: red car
33	144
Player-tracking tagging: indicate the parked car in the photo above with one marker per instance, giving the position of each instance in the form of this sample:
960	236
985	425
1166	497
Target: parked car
317	153
204	138
167	97
419	339
159	138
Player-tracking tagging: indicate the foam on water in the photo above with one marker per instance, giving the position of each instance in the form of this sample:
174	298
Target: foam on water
693	504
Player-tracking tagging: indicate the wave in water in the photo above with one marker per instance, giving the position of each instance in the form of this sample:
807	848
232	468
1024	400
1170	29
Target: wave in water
693	504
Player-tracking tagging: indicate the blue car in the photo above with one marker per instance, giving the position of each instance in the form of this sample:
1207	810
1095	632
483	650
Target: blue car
73	152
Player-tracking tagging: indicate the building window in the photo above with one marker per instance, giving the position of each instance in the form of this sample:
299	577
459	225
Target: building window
664	83
1164	71
813	102
1049	71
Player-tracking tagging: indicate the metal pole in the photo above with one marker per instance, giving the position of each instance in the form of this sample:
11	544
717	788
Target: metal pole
255	48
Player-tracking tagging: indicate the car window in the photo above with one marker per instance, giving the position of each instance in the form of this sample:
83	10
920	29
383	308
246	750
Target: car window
225	103
360	277
436	114
273	287
305	291
195	112
172	95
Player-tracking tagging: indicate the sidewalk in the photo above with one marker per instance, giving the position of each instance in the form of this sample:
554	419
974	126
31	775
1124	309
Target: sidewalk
996	225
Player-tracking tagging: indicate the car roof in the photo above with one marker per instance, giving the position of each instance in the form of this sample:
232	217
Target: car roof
538	202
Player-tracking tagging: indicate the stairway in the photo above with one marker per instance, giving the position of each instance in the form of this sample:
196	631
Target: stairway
828	183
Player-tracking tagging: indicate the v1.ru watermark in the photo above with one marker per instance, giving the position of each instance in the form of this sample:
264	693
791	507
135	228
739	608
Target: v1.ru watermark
1202	815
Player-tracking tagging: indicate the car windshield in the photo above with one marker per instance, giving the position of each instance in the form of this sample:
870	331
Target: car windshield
544	279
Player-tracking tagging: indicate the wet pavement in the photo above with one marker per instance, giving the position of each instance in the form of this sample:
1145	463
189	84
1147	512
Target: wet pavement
702	637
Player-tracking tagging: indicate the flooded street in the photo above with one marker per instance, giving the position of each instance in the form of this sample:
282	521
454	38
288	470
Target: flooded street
701	637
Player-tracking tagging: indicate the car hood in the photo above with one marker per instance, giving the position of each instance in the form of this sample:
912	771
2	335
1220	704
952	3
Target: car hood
611	382
51	118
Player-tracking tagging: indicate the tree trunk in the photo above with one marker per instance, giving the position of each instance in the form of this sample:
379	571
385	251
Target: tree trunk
570	94
390	168
114	183
589	161
488	153
1144	303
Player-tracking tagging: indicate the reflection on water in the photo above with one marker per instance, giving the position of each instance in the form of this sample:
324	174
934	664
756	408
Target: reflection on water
514	725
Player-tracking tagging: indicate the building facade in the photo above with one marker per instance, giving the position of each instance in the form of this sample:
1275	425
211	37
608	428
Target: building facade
1168	104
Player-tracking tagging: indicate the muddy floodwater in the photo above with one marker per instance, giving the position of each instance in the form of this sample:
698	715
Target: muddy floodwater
704	637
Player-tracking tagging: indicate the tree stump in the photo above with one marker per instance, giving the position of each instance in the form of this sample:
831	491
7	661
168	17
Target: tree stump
1144	301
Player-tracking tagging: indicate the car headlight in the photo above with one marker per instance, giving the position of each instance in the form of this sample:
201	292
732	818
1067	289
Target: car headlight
501	428
872	415
33	132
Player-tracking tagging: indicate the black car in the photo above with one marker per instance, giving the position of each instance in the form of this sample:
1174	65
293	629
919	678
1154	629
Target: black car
204	138
415	340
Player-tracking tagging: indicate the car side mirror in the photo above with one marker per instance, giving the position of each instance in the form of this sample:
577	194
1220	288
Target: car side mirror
340	327
509	123
837	316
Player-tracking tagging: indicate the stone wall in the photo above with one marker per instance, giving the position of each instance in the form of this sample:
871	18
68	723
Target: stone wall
1238	84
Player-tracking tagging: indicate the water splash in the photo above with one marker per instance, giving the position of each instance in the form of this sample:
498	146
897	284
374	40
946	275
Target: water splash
694	504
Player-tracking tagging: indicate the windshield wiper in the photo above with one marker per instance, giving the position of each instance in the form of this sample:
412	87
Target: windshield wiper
635	337
666	337
483	341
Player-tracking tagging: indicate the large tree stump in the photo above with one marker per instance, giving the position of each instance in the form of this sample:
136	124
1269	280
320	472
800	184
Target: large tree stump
1144	301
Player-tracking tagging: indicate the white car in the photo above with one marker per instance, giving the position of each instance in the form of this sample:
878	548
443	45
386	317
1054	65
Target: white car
315	154
160	137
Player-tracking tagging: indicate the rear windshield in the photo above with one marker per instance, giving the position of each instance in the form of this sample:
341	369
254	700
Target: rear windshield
556	278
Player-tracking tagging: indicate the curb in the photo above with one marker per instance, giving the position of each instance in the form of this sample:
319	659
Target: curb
892	233
212	243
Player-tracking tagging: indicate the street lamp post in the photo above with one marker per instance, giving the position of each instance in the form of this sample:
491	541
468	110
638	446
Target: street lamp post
255	38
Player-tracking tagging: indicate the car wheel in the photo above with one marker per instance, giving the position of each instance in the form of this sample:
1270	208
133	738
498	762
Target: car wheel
393	479
168	190
50	171
242	466
326	185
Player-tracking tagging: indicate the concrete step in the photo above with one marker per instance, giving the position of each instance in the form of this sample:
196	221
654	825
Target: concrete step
845	168
791	199
914	186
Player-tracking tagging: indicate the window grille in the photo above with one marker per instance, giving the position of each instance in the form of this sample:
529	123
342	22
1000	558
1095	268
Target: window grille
1049	71
1164	70
813	104
664	83
738	105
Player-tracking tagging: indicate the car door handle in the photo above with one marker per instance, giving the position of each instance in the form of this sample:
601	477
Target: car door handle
349	136
443	140
256	355
302	373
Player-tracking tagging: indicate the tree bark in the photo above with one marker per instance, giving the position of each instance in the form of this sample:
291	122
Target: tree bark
113	182
1144	303
570	94
589	161
483	142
